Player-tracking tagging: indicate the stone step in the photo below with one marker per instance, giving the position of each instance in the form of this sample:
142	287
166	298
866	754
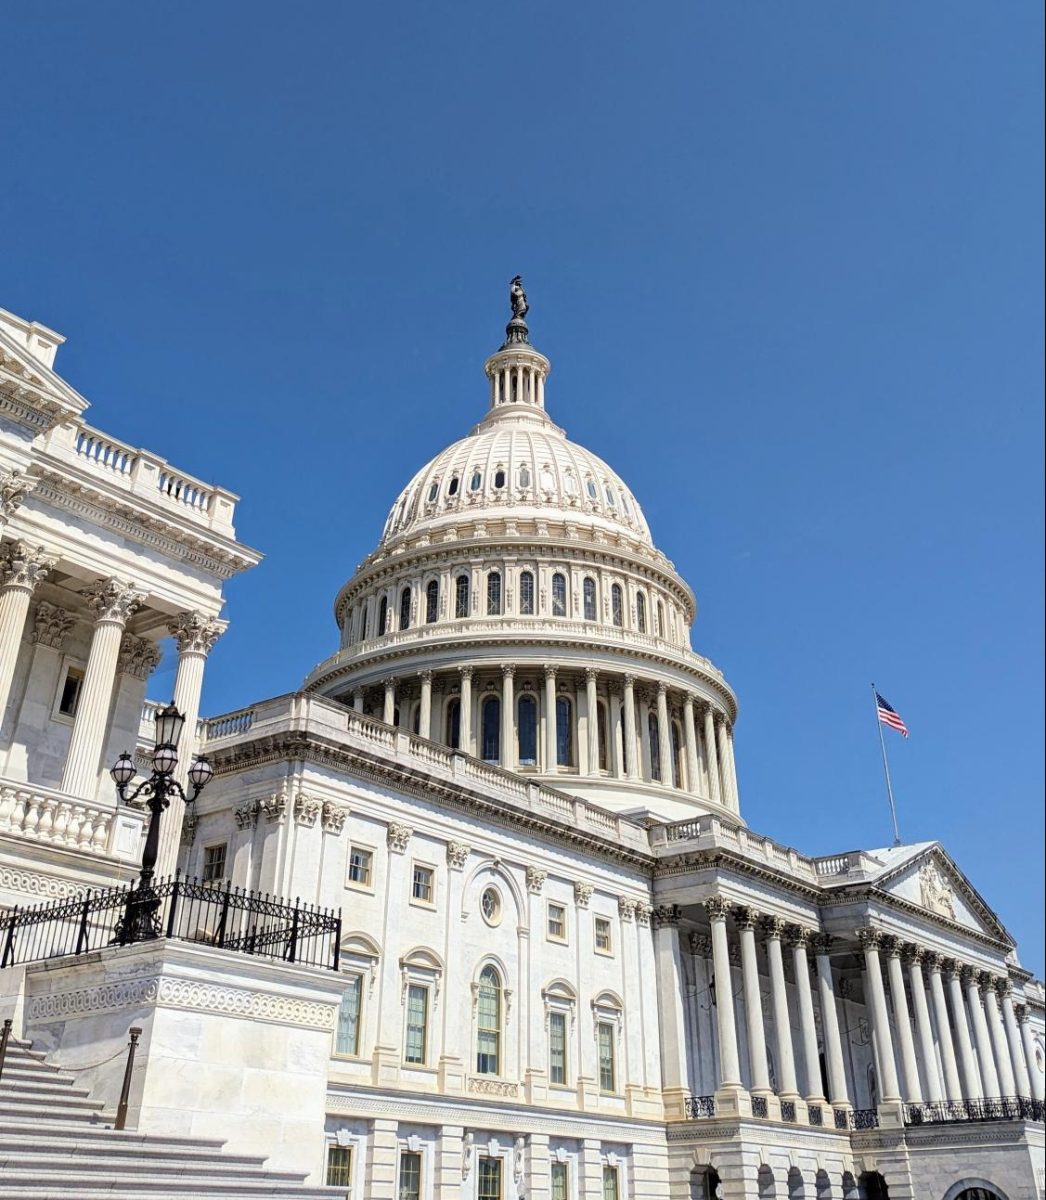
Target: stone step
12	1106
27	1185
46	1090
21	1069
30	1132
160	1163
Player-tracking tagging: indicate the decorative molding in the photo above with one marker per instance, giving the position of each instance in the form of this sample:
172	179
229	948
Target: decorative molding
34	884
481	1086
23	565
274	807
306	810
111	601
398	836
700	944
535	880
138	657
51	625
582	894
195	633
14	487
666	916
774	927
717	908
457	853
246	816
869	939
746	918
626	908
332	817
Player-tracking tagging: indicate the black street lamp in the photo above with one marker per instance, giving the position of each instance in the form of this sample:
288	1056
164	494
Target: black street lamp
139	922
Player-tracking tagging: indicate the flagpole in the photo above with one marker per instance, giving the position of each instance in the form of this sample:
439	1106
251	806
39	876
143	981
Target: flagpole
886	769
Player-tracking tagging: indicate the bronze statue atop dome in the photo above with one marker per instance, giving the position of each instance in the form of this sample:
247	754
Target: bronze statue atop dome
517	297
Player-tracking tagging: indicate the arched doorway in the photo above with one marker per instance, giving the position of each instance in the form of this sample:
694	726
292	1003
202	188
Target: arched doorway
705	1184
974	1189
873	1186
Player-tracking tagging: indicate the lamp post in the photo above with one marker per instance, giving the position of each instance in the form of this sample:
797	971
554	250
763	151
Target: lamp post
139	922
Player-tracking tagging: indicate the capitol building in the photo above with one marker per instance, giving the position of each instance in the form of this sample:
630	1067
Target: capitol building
472	911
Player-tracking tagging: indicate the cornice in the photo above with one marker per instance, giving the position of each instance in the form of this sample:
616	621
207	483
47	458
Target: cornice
719	857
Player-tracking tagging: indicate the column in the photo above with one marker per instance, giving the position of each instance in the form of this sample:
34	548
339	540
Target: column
773	927
745	919
712	758
111	603
724	762
592	704
729	1065
833	1044
388	712
913	956
690	740
672	1023
732	771
22	567
551	756
617	736
425	710
989	1077
465	717
870	939
1003	1067
195	635
798	939
1013	1039
664	739
911	1088
968	1060
630	727
357	700
508	723
945	1039
1028	1041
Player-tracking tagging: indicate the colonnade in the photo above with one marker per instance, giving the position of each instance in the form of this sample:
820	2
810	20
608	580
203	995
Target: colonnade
591	722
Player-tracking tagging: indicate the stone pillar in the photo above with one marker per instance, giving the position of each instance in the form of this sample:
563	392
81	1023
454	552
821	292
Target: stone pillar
798	939
425	709
712	758
1028	1041
690	739
111	603
724	763
664	731
729	1063
1013	1039
911	1088
550	719
672	1024
989	1077
631	768
773	928
914	957
745	919
970	1075
735	799
1003	1067
357	700
592	704
465	715
833	1044
388	712
946	1040
870	940
22	567
508	723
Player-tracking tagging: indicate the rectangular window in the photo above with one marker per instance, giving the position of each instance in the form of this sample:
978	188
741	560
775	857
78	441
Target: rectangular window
410	1176
347	1035
610	1188
607	1074
361	864
417	1023
603	942
213	863
489	1179
560	1182
557	1047
557	922
69	697
423	883
339	1166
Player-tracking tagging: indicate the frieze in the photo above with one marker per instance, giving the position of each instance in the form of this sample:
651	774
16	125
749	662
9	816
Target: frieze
34	884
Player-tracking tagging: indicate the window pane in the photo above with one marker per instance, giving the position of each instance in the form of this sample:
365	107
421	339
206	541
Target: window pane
490	751
489	1179
431	601
526	594
560	1182
461	597
654	741
454	724
590	599
347	1038
488	1022
604	749
557	921
71	692
339	1166
527	725
617	605
213	863
610	1190
359	866
602	934
641	612
417	1023
422	884
564	733
677	757
405	608
559	595
493	594
410	1177
606	1057
383	615
557	1047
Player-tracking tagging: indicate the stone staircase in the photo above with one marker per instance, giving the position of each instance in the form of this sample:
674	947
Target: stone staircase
58	1144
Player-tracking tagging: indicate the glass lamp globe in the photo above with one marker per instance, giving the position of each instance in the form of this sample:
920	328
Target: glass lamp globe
201	773
165	758
169	722
123	771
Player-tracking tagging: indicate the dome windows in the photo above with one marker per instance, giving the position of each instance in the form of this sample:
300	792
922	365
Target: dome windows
570	483
494	594
617	605
589	594
434	491
524	476
499	478
559	595
641	612
476	482
490	730
526	593
527	730
548	480
405	608
431	601
610	495
461	597
383	615
452	487
564	733
590	487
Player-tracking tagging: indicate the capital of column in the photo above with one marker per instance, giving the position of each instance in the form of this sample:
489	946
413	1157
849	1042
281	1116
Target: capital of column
466	672
913	955
870	939
1020	1011
891	946
746	918
591	674
666	915
23	566
688	702
774	928
934	961
629	680
112	602
799	935
717	908
14	487
425	676
662	687
195	633
822	944
51	624
969	975
138	656
508	670
1003	987
985	982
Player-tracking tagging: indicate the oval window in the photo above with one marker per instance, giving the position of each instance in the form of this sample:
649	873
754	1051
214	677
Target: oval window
524	477
433	491
590	487
610	496
490	905
452	487
499	478
476	482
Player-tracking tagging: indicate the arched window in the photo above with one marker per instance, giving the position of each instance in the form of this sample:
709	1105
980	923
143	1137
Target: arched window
601	728
494	594
453	738
564	733
617	605
490	749
589	591
526	593
432	601
452	487
660	619
461	597
476	482
364	612
677	760
524	476
488	1023
499	477
559	595
383	616
433	491
527	726
654	740
641	612
405	608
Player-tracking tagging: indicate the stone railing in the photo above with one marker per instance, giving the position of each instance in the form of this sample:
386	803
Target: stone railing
855	862
144	475
709	831
58	819
302	710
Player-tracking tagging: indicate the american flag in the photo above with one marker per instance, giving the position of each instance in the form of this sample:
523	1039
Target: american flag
890	716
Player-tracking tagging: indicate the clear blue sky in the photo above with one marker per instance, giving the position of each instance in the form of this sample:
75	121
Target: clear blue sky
786	260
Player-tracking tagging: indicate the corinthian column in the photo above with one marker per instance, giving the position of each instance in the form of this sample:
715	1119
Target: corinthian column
690	739
989	1077
1028	1042
195	635
774	927
870	940
631	769
712	757
745	919
1013	1038
830	1022
970	1075
21	568
1007	1083
913	957
909	1066
551	744
729	1063
735	799
664	739
592	705
465	711
508	723
946	1039
425	709
798	939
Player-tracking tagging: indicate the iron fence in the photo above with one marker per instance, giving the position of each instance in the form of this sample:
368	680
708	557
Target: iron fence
187	910
700	1106
996	1108
864	1118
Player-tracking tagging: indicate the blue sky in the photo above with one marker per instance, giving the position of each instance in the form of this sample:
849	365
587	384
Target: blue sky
786	261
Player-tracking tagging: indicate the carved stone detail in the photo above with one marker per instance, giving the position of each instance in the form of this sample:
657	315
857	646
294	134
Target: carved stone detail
306	810
746	918
717	908
246	816
700	944
582	894
274	807
935	891
626	908
870	939
666	915
138	656
195	633
112	601
398	836
535	880
332	817
51	625
23	565
457	853
14	487
774	927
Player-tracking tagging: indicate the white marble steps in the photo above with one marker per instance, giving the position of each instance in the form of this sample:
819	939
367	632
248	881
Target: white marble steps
56	1141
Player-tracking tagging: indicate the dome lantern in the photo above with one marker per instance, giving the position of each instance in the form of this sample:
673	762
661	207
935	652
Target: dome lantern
517	372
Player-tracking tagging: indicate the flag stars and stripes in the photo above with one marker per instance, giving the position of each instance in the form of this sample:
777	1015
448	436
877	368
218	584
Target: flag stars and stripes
888	715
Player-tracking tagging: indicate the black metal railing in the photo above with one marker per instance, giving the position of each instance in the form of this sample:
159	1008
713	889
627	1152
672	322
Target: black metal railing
864	1118
842	1118
187	910
996	1108
760	1108
788	1111
815	1114
698	1107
